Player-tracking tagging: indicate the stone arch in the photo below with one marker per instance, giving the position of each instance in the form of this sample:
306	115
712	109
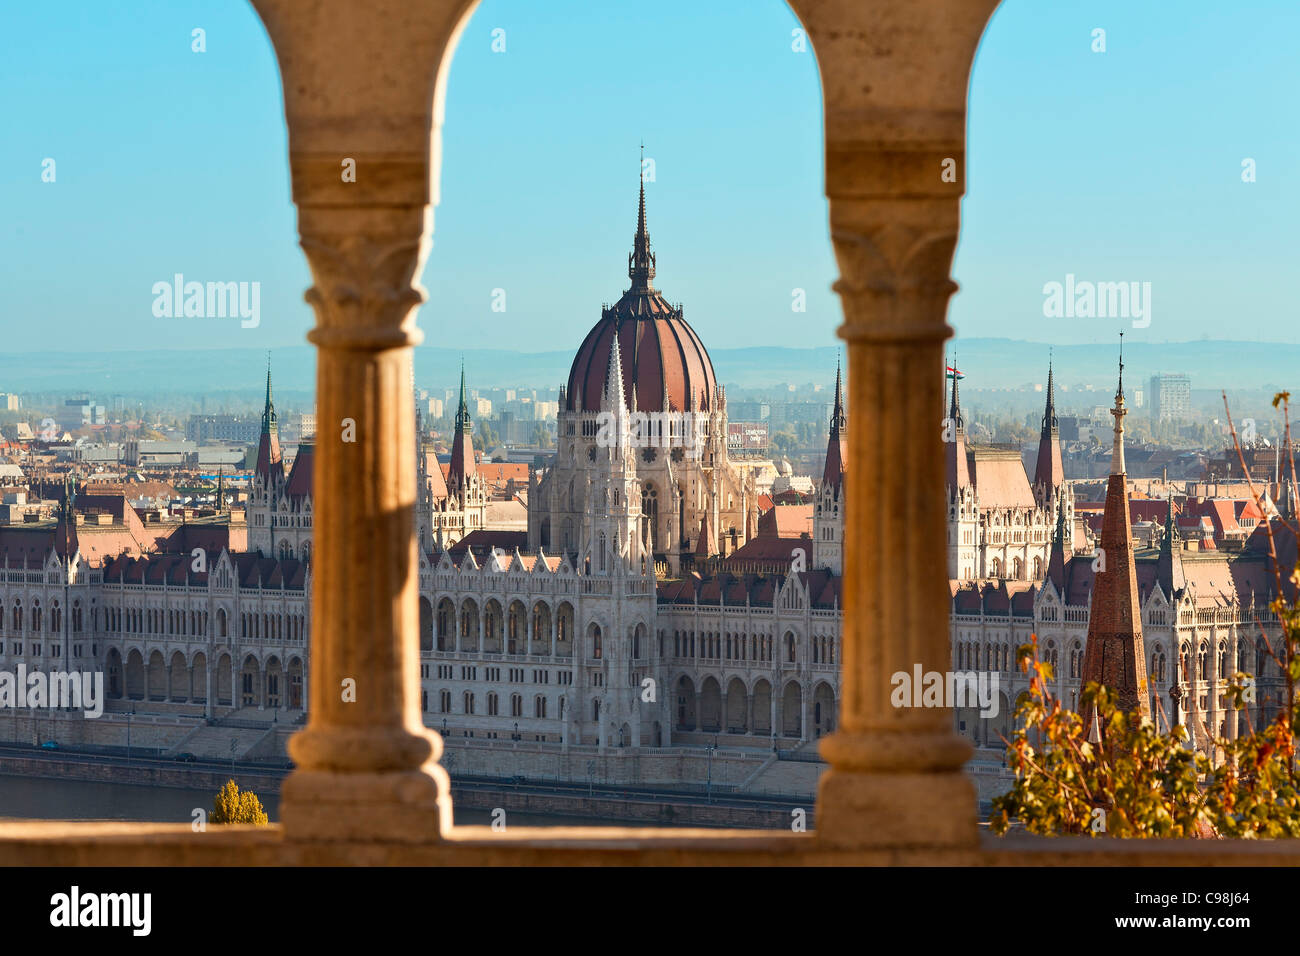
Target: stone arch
426	624
540	630
737	707
293	681
223	623
710	705
684	712
178	679
135	688
639	646
823	716
199	678
517	628
250	683
156	677
792	710
762	707
492	619
446	625
273	682
468	625
564	630
595	642
113	665
223	689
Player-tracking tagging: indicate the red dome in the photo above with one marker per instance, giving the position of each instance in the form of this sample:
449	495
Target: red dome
662	357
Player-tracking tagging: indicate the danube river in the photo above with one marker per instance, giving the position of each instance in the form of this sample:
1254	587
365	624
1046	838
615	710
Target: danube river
37	798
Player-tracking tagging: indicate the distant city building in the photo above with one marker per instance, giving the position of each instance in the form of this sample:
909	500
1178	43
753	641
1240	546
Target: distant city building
750	411
9	402
221	428
78	413
1170	397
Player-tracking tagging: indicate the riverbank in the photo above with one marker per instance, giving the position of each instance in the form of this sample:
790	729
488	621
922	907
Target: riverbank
476	800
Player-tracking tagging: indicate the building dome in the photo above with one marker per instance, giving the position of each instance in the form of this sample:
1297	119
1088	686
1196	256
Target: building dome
664	362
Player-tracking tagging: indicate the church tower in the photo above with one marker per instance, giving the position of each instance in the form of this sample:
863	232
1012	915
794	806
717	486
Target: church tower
268	479
963	507
1051	493
1115	654
828	512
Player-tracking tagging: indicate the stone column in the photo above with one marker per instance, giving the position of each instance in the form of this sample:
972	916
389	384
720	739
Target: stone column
363	94
894	76
367	765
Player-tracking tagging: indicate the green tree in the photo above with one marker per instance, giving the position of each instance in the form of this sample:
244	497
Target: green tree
232	806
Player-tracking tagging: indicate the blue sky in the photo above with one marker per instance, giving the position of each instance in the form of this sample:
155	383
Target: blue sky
1115	166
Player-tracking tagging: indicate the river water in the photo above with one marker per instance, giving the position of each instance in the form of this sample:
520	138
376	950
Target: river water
37	798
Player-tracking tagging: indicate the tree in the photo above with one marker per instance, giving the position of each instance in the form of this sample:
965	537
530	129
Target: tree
784	440
232	806
1130	780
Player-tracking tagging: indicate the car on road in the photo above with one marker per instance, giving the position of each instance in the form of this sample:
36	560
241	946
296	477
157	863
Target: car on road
186	757
50	745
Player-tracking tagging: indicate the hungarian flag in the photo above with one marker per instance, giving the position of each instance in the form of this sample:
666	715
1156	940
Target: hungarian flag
954	374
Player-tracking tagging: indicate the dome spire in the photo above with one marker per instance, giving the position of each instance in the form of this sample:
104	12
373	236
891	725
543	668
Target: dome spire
641	262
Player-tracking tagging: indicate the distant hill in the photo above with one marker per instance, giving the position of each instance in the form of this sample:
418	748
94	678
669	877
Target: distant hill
987	363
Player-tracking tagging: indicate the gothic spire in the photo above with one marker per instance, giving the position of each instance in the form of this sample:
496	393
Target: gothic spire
1117	452
838	421
463	421
1115	652
462	446
1049	471
836	445
270	465
954	409
268	412
1169	566
613	399
641	262
1049	414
